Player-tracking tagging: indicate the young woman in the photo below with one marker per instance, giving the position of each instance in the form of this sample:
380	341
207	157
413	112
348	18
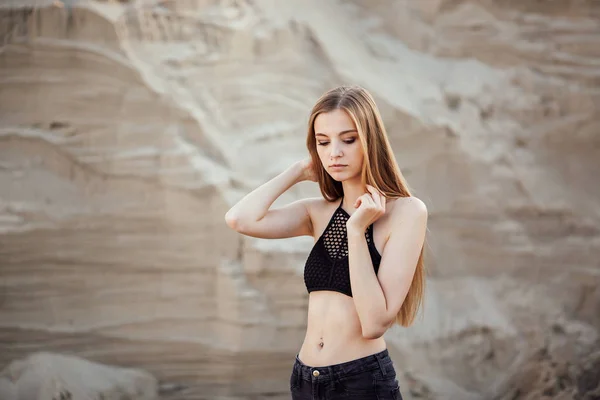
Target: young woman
365	271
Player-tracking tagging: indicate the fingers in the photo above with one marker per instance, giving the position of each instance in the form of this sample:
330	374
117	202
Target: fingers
377	197
373	199
368	200
374	194
364	199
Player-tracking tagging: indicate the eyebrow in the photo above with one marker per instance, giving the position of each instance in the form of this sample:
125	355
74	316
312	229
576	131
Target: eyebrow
340	134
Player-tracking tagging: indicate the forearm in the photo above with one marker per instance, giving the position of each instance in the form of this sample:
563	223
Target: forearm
255	205
367	294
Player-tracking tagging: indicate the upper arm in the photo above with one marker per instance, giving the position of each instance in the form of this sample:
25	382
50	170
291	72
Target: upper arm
401	252
288	221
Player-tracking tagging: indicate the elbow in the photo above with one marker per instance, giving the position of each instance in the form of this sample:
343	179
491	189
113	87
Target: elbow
232	221
373	332
375	329
236	223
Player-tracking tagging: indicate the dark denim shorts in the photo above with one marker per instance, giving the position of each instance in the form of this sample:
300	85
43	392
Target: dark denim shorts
369	378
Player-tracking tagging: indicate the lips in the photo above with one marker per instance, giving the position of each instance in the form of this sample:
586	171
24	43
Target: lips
337	165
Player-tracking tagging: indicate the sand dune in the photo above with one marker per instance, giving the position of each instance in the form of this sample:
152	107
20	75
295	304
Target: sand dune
128	128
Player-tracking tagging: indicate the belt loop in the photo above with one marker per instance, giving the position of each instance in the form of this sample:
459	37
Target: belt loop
381	366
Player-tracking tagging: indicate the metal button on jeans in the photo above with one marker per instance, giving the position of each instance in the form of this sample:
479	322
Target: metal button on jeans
315	373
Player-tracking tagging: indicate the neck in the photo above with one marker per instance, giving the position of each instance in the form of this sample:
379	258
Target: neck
353	189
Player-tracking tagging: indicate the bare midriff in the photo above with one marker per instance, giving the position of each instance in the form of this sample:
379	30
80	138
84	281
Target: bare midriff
333	333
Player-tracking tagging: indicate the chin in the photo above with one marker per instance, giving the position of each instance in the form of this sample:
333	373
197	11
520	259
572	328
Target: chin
340	176
336	175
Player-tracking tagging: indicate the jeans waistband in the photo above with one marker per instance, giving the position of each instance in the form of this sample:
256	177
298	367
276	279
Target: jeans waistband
372	362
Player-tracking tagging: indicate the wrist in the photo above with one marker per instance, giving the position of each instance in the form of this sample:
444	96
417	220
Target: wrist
354	231
297	171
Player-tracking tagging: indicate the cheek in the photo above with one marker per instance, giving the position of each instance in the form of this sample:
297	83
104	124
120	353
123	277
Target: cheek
321	152
357	154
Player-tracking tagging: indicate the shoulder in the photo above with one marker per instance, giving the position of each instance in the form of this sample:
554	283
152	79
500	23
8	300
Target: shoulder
318	210
409	208
317	205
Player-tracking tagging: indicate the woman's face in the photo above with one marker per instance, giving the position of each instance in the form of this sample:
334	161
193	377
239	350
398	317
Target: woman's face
338	145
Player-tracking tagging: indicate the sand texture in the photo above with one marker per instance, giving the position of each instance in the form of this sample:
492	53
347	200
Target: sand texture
127	130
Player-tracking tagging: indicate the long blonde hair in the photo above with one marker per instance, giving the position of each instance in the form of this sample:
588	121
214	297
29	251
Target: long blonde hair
380	169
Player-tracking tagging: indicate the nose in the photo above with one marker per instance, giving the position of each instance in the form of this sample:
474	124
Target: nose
336	151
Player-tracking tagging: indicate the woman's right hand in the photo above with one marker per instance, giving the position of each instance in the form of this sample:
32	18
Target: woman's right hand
308	170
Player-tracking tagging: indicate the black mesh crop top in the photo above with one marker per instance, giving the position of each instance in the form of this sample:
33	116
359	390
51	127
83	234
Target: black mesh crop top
327	265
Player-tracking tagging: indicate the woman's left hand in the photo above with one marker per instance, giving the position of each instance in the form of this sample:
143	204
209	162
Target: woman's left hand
371	206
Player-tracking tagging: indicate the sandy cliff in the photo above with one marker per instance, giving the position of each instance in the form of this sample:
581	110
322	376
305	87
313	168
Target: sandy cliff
128	128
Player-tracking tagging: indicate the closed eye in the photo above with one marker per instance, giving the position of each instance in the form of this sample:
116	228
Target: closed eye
348	141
